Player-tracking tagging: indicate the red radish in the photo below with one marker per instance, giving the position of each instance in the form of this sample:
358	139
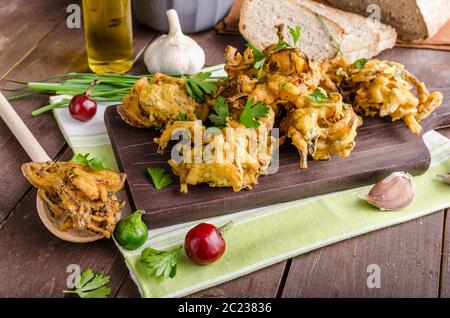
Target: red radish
82	107
204	244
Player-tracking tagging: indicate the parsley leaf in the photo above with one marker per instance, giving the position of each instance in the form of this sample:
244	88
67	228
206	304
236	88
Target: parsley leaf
90	285
295	33
221	112
251	113
160	177
319	96
361	63
96	163
259	58
199	84
282	44
258	54
181	116
160	263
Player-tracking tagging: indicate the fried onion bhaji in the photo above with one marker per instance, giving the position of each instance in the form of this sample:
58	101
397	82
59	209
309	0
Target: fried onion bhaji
159	102
241	171
321	129
287	74
383	88
78	196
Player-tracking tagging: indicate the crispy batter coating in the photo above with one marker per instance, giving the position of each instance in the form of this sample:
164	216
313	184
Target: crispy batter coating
79	197
230	157
383	88
322	129
159	102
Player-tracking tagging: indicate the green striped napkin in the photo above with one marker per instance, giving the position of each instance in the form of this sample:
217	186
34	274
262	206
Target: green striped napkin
264	236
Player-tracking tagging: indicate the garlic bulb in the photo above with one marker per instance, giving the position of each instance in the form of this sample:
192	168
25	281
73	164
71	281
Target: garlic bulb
392	193
445	178
174	53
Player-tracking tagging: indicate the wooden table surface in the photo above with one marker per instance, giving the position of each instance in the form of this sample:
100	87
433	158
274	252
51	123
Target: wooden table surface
35	43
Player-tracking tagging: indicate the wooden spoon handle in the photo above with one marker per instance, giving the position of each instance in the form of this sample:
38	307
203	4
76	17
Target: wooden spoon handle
21	131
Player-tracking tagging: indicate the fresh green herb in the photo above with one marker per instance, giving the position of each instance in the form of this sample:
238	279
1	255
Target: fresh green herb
181	116
251	113
319	96
259	58
361	63
199	84
257	54
282	44
112	88
220	109
96	163
160	263
90	285
295	33
160	177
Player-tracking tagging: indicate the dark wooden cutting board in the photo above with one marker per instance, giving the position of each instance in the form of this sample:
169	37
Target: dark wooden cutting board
381	147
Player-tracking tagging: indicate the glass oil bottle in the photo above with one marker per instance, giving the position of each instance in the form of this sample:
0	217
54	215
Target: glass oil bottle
109	35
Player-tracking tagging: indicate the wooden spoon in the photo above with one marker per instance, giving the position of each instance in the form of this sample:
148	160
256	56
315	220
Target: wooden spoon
38	154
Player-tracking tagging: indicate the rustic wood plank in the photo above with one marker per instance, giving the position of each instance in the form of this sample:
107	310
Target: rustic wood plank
445	270
24	25
63	50
408	256
445	260
136	151
261	284
215	44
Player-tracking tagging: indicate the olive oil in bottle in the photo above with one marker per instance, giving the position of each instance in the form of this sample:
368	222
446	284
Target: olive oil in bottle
109	35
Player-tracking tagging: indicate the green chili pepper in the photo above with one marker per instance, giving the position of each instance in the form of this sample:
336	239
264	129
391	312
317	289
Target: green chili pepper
131	232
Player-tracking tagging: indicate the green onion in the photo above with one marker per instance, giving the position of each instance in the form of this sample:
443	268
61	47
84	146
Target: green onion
111	89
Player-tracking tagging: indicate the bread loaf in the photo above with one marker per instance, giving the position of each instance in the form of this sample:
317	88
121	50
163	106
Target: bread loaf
413	19
356	36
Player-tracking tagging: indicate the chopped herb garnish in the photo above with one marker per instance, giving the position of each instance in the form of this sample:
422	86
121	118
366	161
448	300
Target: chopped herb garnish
160	263
361	62
220	109
259	58
199	84
319	96
90	285
181	116
96	163
160	177
251	113
282	44
295	33
257	54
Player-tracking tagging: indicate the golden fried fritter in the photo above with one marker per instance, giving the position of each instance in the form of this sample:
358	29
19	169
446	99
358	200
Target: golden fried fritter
230	157
159	103
321	129
384	88
78	196
286	75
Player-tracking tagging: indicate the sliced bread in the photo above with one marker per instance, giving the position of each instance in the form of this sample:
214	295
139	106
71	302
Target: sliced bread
357	36
413	19
259	17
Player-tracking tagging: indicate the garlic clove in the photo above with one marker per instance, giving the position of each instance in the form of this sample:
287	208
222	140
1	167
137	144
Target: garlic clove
392	193
174	53
445	178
